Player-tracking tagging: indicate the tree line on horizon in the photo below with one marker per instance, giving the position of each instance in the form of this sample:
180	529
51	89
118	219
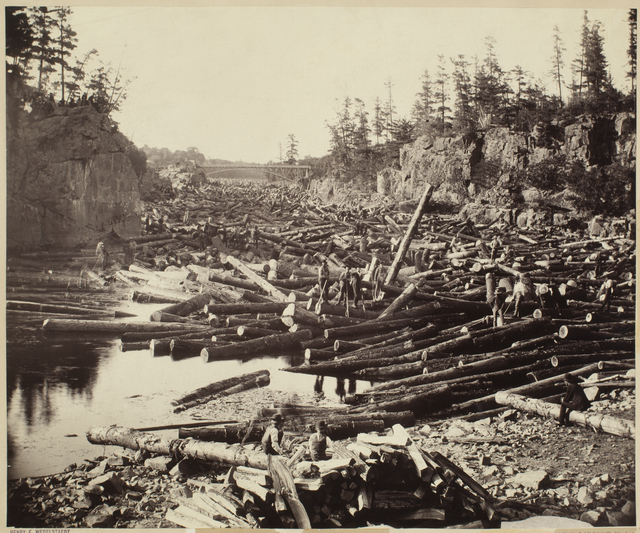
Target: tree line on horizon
468	96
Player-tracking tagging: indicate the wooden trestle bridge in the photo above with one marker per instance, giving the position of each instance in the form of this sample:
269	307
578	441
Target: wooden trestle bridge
293	173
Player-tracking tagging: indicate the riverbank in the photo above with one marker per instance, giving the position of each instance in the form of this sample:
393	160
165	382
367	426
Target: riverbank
587	476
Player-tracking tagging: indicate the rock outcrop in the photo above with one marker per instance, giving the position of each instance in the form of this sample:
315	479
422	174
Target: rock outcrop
465	167
68	179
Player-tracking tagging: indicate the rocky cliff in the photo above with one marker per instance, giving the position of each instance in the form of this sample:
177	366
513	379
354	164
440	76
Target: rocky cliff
68	179
464	167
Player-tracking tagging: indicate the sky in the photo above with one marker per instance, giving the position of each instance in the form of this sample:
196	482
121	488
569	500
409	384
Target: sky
235	82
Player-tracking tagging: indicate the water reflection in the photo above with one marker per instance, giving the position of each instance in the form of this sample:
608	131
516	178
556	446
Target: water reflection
58	387
340	389
35	370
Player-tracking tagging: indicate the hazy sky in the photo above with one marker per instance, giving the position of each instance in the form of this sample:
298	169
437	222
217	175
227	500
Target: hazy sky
235	81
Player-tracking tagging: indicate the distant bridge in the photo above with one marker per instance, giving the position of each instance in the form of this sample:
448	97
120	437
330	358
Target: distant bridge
286	172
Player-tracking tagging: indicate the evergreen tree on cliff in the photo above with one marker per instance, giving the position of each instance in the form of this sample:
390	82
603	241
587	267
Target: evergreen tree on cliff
595	62
423	107
463	115
441	95
19	38
632	51
557	60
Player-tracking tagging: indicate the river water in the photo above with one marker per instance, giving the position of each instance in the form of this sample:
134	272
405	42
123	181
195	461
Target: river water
57	388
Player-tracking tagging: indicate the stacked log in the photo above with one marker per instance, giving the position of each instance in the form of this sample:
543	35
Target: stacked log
371	478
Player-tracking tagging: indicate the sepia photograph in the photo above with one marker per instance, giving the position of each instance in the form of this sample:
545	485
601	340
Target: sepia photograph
331	266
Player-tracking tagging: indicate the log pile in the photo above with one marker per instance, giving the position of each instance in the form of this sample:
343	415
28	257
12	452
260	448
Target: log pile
470	309
369	479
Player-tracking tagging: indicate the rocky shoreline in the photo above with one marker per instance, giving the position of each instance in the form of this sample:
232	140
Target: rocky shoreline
531	466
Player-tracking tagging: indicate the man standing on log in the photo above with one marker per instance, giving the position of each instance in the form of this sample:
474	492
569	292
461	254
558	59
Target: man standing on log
574	400
356	287
273	436
343	282
499	301
318	442
323	280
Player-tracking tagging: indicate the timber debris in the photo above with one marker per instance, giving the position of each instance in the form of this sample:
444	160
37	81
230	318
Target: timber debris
454	318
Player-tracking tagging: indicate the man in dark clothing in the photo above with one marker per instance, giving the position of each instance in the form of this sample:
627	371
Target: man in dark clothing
273	436
574	400
356	286
323	280
343	286
318	442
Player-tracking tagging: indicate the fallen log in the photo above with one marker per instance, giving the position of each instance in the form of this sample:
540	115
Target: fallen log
233	455
262	346
608	424
218	386
257	382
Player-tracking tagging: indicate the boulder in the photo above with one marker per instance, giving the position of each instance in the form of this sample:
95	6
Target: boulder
533	479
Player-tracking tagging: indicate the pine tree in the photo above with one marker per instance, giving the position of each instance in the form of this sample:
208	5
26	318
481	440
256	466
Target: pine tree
557	61
362	130
595	62
292	150
378	120
43	49
578	64
632	51
440	93
66	43
462	82
422	108
389	108
19	37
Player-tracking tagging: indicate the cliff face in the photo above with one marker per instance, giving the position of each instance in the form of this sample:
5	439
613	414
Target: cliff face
465	166
68	179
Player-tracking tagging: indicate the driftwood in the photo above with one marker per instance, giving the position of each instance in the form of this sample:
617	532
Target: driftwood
608	424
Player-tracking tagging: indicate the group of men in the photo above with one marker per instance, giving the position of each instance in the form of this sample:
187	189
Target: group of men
318	442
349	284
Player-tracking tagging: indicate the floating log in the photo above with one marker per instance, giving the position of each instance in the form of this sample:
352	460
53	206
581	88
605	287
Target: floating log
608	424
134	346
262	346
184	308
241	308
371	327
323	308
234	455
254	333
160	347
143	296
402	300
53	308
264	284
118	328
301	315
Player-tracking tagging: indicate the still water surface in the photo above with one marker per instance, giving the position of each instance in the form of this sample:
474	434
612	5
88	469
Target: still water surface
58	389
